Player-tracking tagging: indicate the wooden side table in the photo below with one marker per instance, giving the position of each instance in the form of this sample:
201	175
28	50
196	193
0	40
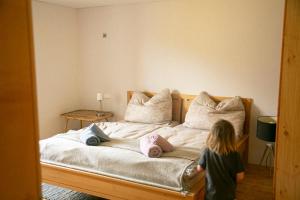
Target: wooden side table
86	115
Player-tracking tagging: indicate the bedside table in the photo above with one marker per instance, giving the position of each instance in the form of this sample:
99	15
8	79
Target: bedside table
87	116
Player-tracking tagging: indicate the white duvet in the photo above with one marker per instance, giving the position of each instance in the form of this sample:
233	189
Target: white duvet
121	157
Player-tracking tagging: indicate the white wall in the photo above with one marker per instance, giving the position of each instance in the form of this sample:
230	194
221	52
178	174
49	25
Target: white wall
56	56
224	47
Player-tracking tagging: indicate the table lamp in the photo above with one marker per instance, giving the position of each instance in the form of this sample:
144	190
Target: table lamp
266	130
100	99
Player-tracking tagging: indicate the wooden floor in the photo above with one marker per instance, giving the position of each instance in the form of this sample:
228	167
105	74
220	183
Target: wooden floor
257	184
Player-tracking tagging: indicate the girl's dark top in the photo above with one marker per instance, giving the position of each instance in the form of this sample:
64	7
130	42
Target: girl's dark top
220	175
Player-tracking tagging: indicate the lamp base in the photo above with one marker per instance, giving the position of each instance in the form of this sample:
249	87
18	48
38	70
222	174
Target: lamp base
100	113
268	155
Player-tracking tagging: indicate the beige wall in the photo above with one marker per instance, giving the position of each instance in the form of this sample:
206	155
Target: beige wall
224	47
56	57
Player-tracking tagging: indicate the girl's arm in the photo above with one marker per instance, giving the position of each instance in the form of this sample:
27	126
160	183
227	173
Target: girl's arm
240	176
202	162
199	168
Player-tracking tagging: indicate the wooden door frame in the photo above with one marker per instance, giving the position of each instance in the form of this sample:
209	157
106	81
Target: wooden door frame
20	169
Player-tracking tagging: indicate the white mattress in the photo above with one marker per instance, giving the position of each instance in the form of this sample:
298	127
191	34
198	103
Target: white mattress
171	171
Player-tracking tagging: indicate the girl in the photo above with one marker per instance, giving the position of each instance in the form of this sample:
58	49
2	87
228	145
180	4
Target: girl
221	162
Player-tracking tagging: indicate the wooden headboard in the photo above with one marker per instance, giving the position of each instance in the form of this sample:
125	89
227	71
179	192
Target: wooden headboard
181	103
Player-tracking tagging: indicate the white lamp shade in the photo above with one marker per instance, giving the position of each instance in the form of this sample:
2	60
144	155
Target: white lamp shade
99	96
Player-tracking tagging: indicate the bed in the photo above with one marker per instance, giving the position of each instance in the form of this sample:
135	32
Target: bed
114	187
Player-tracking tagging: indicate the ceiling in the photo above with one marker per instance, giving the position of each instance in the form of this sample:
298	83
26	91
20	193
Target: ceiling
93	3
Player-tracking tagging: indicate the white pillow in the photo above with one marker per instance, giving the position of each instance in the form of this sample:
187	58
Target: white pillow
157	109
204	112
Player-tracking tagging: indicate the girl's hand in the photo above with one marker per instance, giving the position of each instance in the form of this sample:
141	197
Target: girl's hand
240	176
199	168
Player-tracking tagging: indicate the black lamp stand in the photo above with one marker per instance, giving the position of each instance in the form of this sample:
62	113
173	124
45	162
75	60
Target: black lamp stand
266	131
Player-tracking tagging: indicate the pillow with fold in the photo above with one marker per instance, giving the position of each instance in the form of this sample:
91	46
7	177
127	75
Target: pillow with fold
204	112
143	109
93	136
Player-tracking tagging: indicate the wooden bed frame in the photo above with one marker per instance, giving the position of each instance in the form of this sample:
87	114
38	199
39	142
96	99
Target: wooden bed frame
113	188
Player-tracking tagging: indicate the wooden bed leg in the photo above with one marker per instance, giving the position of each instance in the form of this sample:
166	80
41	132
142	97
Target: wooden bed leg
200	195
246	152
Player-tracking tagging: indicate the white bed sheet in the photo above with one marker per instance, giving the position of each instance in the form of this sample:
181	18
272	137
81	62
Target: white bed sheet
171	171
131	130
